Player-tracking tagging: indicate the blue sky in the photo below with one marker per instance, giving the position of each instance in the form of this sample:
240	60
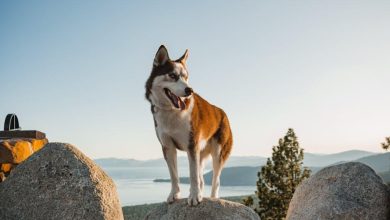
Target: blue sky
76	70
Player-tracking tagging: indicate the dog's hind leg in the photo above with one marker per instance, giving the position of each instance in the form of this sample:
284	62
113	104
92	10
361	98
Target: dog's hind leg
222	146
204	154
170	156
217	168
201	179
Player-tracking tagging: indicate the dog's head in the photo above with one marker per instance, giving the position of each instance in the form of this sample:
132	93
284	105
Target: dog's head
167	85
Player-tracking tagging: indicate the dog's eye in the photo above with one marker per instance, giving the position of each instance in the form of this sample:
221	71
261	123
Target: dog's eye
172	75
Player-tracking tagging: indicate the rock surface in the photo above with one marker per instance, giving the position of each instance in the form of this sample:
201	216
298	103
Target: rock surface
213	209
345	191
59	182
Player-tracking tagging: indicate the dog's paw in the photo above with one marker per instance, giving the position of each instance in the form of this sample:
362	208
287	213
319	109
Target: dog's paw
194	199
173	196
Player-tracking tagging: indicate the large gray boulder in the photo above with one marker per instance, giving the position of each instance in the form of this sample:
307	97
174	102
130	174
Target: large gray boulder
345	191
59	182
208	209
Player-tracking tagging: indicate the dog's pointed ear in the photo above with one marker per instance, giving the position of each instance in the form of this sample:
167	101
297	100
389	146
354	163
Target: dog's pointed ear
161	56
183	59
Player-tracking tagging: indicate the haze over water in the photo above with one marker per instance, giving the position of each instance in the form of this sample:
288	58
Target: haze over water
137	187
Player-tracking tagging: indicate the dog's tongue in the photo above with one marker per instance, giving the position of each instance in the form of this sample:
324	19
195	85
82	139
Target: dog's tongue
181	104
178	102
175	100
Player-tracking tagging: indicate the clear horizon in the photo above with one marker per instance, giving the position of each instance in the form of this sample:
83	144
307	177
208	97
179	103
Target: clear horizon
184	156
76	71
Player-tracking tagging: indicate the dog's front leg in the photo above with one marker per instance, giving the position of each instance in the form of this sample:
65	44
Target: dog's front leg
170	156
194	160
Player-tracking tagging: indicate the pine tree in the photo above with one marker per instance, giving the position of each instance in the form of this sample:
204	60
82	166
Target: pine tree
279	178
386	144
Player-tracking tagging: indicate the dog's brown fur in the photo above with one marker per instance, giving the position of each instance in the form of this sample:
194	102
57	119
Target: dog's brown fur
210	122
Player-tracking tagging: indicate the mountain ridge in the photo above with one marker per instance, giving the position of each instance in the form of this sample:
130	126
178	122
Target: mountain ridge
311	159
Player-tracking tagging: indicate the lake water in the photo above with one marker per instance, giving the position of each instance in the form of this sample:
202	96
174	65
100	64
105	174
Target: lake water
135	185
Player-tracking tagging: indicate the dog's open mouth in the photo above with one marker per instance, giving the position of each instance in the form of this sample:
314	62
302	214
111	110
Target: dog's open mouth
176	100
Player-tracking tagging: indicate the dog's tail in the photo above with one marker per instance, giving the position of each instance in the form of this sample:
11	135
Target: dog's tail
225	138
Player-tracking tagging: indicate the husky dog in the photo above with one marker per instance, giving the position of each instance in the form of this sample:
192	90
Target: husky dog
185	121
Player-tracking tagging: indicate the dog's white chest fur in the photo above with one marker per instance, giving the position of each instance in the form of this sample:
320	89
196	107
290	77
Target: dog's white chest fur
174	125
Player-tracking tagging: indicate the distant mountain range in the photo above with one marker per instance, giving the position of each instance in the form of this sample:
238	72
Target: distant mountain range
379	162
247	175
311	160
182	161
321	160
241	171
232	176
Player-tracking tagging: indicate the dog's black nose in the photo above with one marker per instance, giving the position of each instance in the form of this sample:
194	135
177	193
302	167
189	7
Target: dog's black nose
188	91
